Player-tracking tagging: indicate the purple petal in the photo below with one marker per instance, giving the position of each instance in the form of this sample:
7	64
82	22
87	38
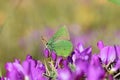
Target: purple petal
100	45
95	69
80	47
64	74
104	54
111	54
81	67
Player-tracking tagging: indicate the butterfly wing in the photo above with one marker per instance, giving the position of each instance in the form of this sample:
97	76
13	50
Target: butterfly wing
61	34
62	47
59	42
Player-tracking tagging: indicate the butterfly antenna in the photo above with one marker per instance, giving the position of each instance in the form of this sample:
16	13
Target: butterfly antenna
43	40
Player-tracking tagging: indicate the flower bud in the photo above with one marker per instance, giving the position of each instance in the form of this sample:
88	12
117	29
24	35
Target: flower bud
54	56
46	53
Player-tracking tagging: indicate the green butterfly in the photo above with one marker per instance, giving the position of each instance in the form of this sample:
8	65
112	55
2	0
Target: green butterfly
60	43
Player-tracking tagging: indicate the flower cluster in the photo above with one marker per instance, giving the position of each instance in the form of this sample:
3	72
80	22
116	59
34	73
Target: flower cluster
81	64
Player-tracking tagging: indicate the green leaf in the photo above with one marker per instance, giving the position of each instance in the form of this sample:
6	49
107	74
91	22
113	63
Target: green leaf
115	1
72	67
52	75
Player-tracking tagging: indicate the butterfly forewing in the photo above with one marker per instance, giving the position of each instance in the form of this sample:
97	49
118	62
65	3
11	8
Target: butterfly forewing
61	34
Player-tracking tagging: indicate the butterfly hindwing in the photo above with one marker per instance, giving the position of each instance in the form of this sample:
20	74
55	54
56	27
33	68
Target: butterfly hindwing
62	47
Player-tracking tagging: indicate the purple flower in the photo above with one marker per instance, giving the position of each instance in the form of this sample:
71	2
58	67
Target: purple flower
60	63
81	53
64	74
15	71
117	50
80	65
81	59
81	68
38	71
116	67
3	78
107	53
29	70
95	71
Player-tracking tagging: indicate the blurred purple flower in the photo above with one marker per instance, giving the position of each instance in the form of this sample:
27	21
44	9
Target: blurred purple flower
117	50
81	53
3	78
29	70
107	53
64	74
95	71
81	59
80	65
81	68
61	63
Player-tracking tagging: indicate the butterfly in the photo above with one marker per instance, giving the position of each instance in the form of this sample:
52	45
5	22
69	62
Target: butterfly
60	42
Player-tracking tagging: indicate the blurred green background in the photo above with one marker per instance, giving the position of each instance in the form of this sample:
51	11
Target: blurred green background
23	22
